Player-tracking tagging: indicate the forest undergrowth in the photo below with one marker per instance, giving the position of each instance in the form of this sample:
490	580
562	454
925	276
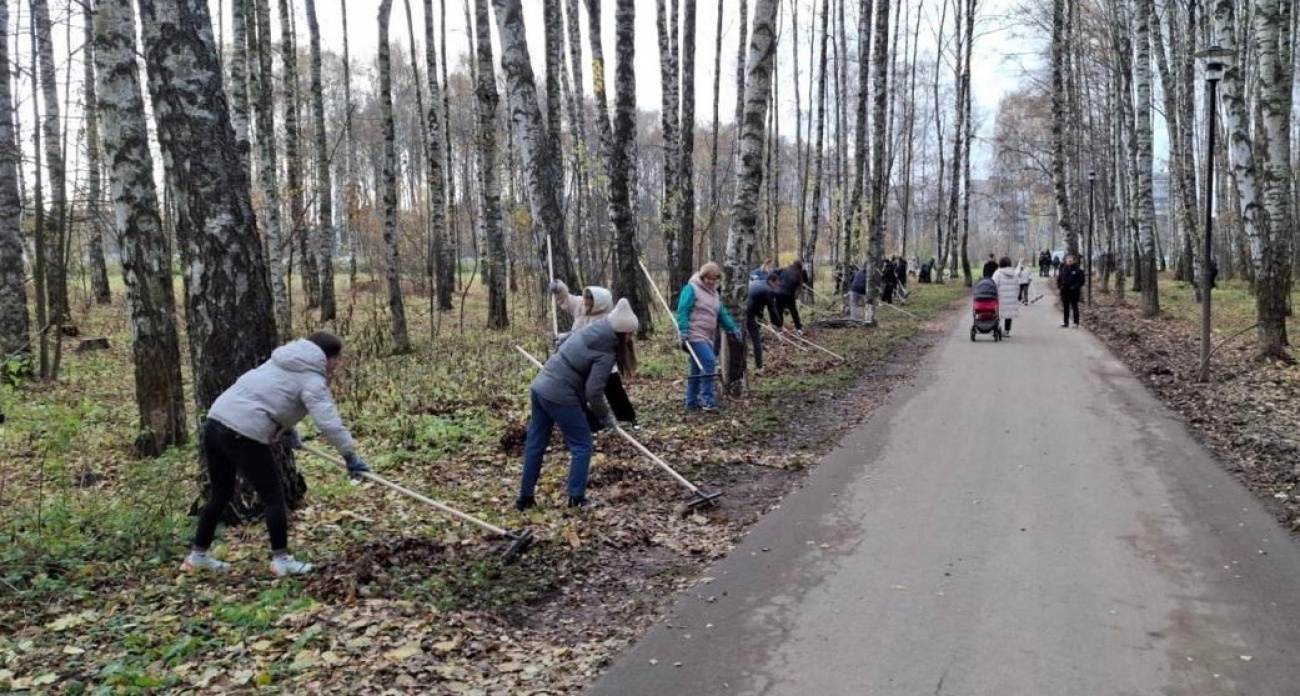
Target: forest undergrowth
1247	411
91	537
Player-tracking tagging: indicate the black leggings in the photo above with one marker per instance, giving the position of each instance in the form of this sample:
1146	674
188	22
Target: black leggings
786	303
618	400
228	452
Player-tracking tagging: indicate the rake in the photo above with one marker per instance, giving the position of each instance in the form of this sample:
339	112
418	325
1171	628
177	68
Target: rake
519	541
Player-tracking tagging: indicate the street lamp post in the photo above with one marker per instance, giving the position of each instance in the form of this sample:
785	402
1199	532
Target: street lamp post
1214	57
1092	178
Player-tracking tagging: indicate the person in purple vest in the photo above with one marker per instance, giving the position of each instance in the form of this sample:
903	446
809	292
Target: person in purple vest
699	311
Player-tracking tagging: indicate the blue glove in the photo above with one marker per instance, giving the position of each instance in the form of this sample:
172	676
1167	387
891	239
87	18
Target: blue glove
291	439
356	465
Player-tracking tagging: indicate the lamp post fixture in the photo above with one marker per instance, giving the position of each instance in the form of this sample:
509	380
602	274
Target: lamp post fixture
1092	178
1214	58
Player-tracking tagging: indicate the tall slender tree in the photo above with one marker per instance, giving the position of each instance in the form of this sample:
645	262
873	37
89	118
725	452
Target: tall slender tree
155	344
228	307
666	30
15	322
1146	208
686	144
852	221
622	168
1059	115
489	175
392	256
94	186
880	185
276	242
808	245
444	277
56	236
300	233
324	194
238	86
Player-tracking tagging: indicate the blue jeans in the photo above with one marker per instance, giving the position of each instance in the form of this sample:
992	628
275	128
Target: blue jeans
699	390
577	434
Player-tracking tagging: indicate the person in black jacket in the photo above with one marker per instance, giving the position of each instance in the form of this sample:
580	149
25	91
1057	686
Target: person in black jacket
888	281
1070	280
790	279
990	266
858	295
761	298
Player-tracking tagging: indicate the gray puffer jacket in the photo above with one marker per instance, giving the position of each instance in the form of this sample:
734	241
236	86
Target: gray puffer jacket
277	394
576	373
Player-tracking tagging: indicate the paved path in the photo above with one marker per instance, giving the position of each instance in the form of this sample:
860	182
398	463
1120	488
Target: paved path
1025	520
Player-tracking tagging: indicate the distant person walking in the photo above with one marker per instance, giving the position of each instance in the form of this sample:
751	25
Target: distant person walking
990	266
1045	264
1023	274
1056	265
1070	280
1008	282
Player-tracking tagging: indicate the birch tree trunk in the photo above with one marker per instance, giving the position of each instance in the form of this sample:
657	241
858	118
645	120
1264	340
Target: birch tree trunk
445	262
622	168
1059	116
757	87
146	267
15	322
349	158
94	189
266	170
299	232
880	187
968	135
669	114
239	80
489	168
56	271
808	244
1182	190
1273	27
1146	208
686	143
540	163
228	301
959	135
324	195
392	256
853	224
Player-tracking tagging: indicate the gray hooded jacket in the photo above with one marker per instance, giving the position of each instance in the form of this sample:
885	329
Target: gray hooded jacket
577	372
277	394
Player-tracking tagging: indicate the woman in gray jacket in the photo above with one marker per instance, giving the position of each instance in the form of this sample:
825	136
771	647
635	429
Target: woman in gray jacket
262	406
571	382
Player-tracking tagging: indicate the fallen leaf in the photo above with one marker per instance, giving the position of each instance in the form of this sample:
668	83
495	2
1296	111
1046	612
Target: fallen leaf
409	650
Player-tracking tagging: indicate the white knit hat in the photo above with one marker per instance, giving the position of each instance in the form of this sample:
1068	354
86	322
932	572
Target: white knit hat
622	318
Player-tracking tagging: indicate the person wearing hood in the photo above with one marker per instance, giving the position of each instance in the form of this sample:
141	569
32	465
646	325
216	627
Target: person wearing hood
263	406
1008	282
594	304
1023	275
571	384
1070	281
699	311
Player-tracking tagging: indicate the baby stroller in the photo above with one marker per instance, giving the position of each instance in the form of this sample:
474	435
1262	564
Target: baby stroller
984	308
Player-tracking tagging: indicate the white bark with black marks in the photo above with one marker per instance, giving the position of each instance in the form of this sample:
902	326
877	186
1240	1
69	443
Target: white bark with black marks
392	257
324	242
489	167
15	322
622	168
146	268
444	244
880	185
1146	207
276	242
228	308
56	237
1060	113
94	185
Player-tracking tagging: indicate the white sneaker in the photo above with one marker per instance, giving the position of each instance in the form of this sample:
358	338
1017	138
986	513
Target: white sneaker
198	561
288	565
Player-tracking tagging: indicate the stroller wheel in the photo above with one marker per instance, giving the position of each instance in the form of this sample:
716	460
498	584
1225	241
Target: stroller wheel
972	333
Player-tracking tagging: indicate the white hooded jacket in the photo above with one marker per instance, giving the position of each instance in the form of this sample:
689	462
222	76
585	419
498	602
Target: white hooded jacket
1008	292
277	394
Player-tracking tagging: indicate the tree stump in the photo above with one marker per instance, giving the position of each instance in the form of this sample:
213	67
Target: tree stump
92	343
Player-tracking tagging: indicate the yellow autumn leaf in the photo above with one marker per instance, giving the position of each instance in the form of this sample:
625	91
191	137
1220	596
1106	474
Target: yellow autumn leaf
409	650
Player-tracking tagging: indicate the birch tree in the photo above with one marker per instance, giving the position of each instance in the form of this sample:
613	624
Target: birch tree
260	37
392	257
666	30
489	181
1146	207
880	185
228	305
808	245
444	261
541	164
853	227
1059	116
238	86
146	267
94	186
15	322
324	195
627	275
299	232
56	272
686	145
749	174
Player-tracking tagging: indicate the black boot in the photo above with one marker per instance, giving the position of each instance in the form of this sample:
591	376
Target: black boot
522	503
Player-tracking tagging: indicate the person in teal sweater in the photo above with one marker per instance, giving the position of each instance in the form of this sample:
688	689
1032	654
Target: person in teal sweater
699	311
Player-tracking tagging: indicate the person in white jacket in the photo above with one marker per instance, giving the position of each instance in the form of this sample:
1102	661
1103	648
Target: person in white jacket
1008	281
593	304
261	407
1023	274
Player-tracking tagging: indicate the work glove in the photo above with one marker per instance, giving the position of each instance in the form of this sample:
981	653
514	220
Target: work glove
738	335
356	465
684	339
608	422
291	439
557	287
559	338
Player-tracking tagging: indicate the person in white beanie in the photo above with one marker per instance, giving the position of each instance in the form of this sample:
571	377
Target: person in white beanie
595	303
571	383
